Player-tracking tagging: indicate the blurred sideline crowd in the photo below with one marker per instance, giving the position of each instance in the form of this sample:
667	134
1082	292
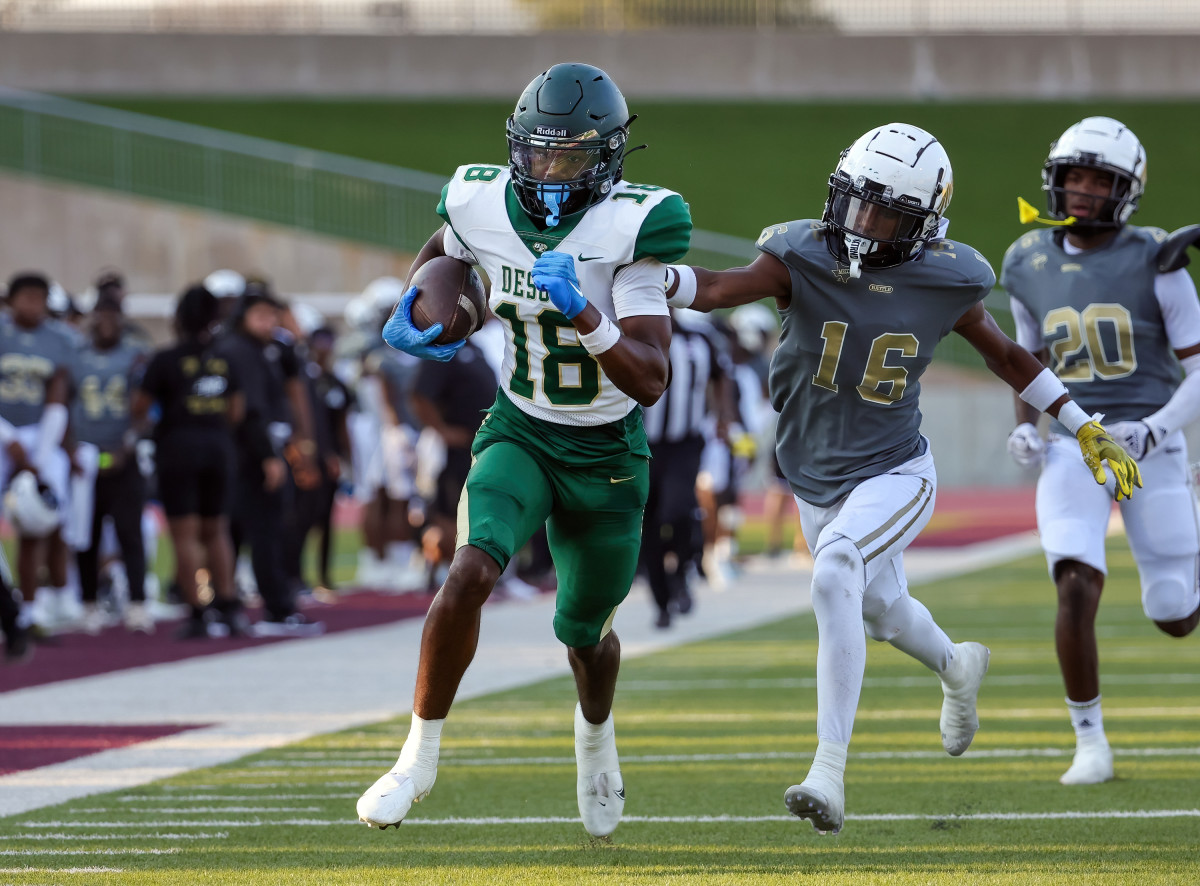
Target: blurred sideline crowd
247	428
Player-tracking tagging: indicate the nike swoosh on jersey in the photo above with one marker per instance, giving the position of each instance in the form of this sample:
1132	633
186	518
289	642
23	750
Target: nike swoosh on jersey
583	257
619	479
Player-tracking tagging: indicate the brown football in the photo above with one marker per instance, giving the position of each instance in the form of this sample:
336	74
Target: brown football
449	292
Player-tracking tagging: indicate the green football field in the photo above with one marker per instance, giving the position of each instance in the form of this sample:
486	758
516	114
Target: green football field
711	734
746	165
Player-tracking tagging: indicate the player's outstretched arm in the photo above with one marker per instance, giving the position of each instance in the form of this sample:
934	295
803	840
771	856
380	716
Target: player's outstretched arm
633	355
1041	389
703	290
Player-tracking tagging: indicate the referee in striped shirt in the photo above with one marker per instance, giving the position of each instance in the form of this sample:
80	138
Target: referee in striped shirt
696	403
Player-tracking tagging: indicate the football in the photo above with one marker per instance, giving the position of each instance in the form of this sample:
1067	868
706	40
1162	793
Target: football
449	292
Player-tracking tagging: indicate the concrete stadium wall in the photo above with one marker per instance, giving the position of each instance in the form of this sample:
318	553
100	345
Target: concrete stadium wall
755	64
70	232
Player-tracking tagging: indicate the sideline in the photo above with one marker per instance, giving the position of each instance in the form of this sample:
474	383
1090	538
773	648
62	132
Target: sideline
269	696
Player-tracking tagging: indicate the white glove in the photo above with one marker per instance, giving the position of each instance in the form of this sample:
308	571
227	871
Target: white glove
1135	437
1026	446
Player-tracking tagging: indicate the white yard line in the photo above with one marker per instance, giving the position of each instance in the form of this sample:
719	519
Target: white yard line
1088	814
273	695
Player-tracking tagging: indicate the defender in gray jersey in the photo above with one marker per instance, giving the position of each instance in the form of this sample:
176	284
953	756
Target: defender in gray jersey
1088	299
864	295
33	419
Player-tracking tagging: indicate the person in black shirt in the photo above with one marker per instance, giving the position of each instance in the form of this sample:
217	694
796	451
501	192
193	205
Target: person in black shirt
200	402
452	399
17	647
276	418
332	401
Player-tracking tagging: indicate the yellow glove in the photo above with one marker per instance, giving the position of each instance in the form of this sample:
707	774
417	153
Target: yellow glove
1098	447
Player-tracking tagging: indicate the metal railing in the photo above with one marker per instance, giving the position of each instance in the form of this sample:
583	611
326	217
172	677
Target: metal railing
255	178
526	16
239	175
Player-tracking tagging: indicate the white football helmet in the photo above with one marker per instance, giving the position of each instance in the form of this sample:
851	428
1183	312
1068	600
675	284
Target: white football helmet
32	507
383	294
1097	143
887	197
225	283
754	324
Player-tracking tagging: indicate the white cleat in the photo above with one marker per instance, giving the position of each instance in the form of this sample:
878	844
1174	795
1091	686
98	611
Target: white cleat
824	806
1093	764
960	685
599	788
386	803
138	619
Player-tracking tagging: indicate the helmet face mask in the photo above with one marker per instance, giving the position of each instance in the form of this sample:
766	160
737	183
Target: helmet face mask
1103	144
566	142
887	198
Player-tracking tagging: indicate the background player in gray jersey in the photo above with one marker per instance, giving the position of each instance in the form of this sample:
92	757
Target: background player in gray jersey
864	295
104	374
1088	299
33	419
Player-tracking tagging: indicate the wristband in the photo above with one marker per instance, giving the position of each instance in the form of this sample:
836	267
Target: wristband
685	289
600	339
1073	418
1043	391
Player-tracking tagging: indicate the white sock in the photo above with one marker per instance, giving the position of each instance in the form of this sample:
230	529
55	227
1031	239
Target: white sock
1088	721
592	735
595	743
423	744
828	765
25	615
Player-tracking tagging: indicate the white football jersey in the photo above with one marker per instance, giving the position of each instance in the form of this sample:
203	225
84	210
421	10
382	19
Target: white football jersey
620	246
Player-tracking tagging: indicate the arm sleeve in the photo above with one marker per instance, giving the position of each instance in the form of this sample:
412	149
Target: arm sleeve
638	290
1029	333
1176	294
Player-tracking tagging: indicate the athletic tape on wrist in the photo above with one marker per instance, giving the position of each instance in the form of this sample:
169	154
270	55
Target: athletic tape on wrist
685	292
601	338
1043	390
1073	417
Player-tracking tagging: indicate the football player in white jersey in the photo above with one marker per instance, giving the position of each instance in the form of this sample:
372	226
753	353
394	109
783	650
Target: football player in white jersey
1088	298
575	255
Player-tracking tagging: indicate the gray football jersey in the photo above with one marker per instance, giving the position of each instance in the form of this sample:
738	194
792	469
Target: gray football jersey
28	359
1100	320
845	378
103	383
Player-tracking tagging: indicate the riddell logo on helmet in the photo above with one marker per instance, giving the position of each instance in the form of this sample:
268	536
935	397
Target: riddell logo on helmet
553	131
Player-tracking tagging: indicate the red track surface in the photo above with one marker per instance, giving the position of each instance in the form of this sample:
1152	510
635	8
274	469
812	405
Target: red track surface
67	656
28	747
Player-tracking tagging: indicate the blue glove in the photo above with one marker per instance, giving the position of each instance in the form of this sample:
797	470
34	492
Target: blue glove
555	273
401	334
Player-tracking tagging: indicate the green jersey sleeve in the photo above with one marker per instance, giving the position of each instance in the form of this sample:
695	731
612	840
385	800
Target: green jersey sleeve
441	207
666	233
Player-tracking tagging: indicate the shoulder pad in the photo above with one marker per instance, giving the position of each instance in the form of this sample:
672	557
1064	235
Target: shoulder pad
1172	255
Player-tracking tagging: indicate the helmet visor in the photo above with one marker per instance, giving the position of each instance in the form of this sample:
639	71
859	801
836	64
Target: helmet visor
869	220
549	161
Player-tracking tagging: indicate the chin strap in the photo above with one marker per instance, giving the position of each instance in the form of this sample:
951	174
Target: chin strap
1028	213
855	251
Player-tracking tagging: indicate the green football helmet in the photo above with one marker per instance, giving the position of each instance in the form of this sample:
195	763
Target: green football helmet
567	140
